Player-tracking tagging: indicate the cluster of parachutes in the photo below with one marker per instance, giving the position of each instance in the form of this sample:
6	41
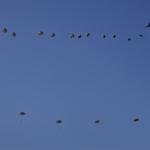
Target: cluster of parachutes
5	30
23	114
78	36
74	35
88	34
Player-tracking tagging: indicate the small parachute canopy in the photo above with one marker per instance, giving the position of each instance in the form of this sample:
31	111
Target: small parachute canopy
72	35
40	33
148	25
59	121
104	36
14	34
88	34
136	119
114	36
79	36
129	39
22	113
140	35
97	121
4	30
53	35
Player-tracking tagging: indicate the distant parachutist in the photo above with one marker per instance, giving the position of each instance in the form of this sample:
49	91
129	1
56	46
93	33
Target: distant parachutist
53	35
136	120
140	35
114	36
4	30
104	36
129	39
97	121
88	34
148	25
14	34
59	121
72	35
79	36
22	114
40	33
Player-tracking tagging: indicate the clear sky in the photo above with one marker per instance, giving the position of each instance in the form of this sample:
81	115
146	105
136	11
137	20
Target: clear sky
77	81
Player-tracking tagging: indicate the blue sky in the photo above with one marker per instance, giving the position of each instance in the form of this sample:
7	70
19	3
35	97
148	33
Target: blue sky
77	81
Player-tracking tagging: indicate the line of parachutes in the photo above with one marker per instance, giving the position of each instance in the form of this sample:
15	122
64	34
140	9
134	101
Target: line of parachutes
74	35
59	121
